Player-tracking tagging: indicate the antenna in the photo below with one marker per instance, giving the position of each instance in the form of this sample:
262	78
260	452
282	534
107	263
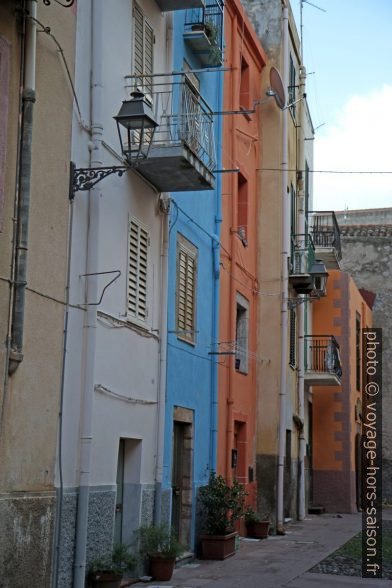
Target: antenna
302	2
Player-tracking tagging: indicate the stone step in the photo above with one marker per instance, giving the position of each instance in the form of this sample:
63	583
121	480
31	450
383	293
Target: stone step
316	509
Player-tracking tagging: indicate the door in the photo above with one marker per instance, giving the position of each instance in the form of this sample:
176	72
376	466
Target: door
177	476
118	521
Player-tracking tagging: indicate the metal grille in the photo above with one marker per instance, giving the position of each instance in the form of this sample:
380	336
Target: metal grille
137	270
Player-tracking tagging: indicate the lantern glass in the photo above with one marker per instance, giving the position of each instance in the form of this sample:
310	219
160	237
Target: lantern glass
136	126
319	273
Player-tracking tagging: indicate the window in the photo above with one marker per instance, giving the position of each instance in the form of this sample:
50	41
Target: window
143	50
307	187
241	336
358	350
138	244
242	208
292	85
186	290
191	110
296	259
293	337
245	85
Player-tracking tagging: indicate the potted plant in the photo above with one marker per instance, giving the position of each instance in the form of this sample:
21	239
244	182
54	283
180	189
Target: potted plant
160	545
108	570
222	505
256	526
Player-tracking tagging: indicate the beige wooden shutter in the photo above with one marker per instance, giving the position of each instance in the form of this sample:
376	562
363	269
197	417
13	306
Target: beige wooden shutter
137	270
186	289
143	49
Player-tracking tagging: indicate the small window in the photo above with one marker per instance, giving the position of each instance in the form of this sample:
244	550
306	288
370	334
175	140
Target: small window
186	290
245	85
242	208
293	339
143	50
138	244
292	86
242	336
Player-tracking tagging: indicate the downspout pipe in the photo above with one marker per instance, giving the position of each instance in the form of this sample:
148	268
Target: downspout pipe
90	323
285	285
164	204
216	290
165	209
28	100
301	308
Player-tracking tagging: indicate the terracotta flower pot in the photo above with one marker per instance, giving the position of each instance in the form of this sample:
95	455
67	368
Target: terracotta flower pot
106	580
218	546
161	568
258	530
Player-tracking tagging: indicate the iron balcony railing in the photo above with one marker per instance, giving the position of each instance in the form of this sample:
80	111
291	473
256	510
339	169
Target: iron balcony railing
325	231
209	19
183	116
322	355
302	254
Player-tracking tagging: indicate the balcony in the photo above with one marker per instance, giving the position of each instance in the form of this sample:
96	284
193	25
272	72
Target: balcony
301	261
181	156
322	361
167	5
204	32
326	238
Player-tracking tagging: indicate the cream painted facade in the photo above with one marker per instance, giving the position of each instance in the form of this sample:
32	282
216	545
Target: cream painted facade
30	397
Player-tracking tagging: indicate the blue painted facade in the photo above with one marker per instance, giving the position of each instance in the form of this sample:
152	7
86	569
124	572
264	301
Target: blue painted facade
192	378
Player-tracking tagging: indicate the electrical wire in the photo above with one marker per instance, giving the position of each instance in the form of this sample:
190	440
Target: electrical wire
324	171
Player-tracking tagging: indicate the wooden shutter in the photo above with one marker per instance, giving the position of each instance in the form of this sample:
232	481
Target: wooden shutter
143	49
186	291
293	338
138	270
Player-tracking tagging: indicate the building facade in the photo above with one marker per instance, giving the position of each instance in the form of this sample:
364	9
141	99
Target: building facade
367	250
194	273
336	410
239	295
36	103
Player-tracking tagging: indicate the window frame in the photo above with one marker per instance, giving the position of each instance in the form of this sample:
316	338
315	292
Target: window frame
244	353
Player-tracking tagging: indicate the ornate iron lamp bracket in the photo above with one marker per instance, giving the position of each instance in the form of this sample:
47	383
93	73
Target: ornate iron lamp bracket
84	178
66	4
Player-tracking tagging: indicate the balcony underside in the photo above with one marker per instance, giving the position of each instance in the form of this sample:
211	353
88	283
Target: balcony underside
166	5
302	283
322	379
175	168
328	255
207	53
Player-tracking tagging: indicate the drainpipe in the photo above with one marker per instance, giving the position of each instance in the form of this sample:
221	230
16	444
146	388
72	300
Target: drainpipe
164	204
285	285
90	322
216	291
28	100
301	307
233	244
165	209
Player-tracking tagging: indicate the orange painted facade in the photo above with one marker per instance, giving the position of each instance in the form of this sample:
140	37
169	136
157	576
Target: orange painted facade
336	409
245	59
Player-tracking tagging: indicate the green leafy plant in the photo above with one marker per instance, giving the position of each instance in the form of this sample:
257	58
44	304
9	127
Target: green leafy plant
223	505
251	516
119	561
159	541
211	31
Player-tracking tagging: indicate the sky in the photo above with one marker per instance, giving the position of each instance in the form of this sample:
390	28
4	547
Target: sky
348	58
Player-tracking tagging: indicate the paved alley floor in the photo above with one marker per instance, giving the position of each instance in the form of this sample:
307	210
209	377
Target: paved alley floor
279	561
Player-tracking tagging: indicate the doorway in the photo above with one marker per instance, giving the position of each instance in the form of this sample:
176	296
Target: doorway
182	479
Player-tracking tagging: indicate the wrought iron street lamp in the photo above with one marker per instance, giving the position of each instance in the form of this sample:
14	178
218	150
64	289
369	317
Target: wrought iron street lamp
136	127
319	273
